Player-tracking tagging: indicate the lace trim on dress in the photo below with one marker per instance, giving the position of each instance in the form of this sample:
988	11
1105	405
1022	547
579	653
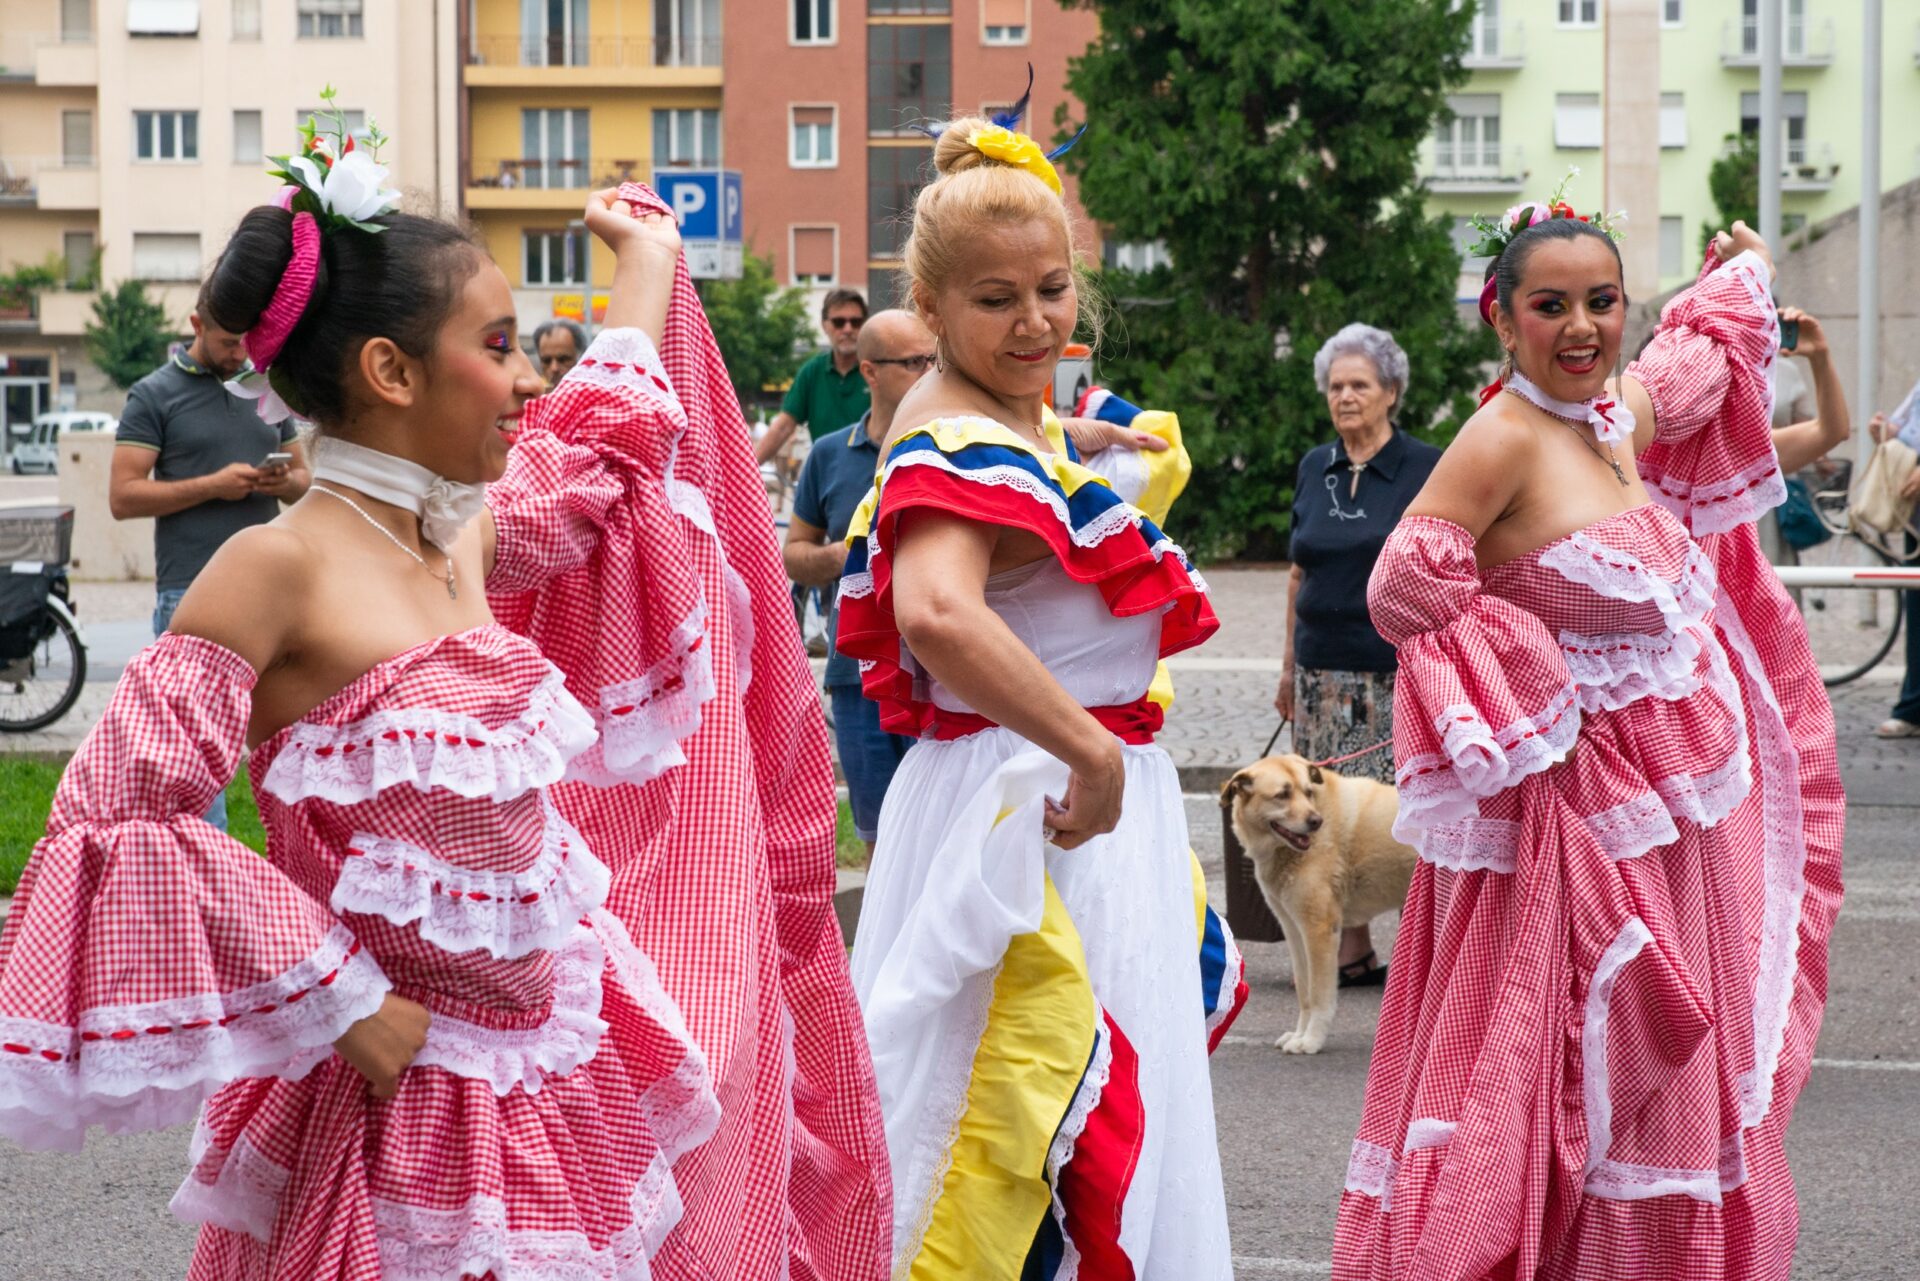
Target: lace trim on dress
148	1066
1596	1097
1438	788
347	764
508	914
642	722
1622	1181
1707	799
1633	827
681	1107
1099	1070
1623	576
421	1244
526	1057
1615	669
1472	845
1370	1171
243	1195
626	358
1713	507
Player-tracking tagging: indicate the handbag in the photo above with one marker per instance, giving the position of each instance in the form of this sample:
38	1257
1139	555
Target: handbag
1800	525
1876	504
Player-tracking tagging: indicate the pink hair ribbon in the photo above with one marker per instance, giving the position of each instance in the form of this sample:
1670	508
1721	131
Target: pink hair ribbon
290	296
1487	292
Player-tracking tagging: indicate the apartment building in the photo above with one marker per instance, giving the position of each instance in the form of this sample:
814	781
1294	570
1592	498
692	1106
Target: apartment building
133	135
1533	106
826	148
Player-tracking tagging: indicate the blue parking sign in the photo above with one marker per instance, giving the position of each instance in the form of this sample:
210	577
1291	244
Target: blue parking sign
709	204
694	195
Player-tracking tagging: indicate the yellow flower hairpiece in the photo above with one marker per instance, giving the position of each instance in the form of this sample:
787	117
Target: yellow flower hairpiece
1015	149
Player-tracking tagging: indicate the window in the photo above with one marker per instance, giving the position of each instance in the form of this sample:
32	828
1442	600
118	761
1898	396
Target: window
166	135
909	76
892	8
1469	144
356	120
1673	13
1673	120
893	175
1793	30
1465	235
553	33
553	148
76	248
686	33
816	250
246	19
166	255
163	17
76	139
812	138
1673	242
247	146
1579	13
76	20
688	137
329	19
887	289
1003	21
812	21
1135	255
1793	123
1006	35
1484	35
554	257
1577	121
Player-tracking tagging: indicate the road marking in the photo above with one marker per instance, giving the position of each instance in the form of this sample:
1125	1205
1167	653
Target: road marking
1262	666
1859	1065
1242	1263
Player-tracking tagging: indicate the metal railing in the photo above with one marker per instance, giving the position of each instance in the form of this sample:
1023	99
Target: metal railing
1494	45
1803	43
1476	162
539	173
607	52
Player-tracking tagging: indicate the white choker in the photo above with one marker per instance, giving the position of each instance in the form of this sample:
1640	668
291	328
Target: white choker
1610	419
443	506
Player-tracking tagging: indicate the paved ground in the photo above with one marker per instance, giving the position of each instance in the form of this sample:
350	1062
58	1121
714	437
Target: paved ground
1284	1122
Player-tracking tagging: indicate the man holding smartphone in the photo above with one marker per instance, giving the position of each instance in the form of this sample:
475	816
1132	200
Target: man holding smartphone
200	461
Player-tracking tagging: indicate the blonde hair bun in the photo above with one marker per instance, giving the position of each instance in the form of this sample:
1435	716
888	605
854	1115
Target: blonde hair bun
954	151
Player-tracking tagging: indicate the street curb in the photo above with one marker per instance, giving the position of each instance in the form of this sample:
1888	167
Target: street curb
849	888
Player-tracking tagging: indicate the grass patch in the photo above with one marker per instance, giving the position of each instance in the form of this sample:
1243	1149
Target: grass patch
26	794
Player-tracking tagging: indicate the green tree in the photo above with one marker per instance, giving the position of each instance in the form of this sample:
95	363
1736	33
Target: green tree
759	326
129	333
18	286
1271	145
1734	183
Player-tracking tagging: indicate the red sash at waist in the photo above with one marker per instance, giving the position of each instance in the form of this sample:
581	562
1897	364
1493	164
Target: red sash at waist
1134	723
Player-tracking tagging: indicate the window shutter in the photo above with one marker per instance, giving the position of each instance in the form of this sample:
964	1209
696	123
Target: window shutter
813	252
804	116
1003	13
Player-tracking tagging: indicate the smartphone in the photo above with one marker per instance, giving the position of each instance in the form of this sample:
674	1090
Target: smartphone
275	460
1789	334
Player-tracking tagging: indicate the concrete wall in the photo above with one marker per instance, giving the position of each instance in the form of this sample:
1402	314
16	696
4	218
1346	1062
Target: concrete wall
103	548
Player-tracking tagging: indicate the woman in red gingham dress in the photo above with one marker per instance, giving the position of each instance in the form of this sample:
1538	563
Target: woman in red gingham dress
420	1035
1616	761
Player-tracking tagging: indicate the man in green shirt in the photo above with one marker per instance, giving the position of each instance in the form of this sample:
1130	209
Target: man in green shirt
828	393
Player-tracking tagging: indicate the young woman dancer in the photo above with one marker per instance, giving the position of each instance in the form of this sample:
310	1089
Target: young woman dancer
1616	760
425	1047
1039	971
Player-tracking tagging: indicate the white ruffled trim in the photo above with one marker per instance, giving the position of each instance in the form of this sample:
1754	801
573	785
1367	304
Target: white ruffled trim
1616	669
643	721
1440	788
244	1194
625	358
856	586
1472	845
1633	827
1623	576
121	1071
1595	1085
420	1244
1622	1181
1370	1172
526	1057
1706	799
1713	507
1072	1126
681	1108
1233	973
507	914
426	748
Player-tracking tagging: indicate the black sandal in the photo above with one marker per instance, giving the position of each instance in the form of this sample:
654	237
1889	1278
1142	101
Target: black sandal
1363	973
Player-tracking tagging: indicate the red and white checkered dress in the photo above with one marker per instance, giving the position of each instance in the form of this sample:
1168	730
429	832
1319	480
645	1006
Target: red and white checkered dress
1617	762
151	963
635	547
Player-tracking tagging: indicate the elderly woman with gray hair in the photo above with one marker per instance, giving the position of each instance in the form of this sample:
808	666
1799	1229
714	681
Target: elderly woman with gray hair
1337	685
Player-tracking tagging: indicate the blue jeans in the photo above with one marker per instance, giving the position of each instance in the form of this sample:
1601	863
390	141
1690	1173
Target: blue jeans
166	600
868	755
1908	708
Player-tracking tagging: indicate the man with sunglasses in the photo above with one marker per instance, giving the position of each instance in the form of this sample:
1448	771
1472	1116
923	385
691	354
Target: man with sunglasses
894	349
828	393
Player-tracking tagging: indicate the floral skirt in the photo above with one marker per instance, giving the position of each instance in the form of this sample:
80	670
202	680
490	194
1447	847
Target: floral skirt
1337	712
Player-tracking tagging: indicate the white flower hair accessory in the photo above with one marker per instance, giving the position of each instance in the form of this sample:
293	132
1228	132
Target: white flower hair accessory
335	176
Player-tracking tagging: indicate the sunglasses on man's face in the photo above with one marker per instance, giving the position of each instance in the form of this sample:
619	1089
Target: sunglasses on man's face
918	364
846	322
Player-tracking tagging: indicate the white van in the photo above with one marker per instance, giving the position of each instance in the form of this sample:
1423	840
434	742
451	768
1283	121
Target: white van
36	445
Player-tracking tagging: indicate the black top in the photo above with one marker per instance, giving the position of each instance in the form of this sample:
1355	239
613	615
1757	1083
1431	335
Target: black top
1337	536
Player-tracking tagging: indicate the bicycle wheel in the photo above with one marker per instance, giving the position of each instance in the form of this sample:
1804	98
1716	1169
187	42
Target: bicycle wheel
1851	628
39	689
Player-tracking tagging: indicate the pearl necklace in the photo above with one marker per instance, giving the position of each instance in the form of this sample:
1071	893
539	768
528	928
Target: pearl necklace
388	534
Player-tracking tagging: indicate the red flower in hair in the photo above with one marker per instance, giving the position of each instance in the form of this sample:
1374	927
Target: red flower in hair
1561	209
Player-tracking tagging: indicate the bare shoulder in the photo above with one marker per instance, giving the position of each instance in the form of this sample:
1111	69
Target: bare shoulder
249	597
1480	474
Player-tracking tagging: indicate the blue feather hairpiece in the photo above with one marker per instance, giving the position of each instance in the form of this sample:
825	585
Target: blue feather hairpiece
1009	119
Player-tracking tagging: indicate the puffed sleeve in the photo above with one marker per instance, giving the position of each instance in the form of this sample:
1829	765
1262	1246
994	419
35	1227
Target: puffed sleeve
592	558
150	958
1483	697
1708	372
1148	479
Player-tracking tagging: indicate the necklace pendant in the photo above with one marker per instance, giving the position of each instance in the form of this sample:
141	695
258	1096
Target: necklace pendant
1618	474
454	595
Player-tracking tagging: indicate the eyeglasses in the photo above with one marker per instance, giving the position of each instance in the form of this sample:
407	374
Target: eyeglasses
918	364
846	322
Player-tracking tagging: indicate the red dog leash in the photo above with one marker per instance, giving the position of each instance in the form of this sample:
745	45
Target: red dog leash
1331	760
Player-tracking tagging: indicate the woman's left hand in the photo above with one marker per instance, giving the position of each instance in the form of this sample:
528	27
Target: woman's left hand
1090	436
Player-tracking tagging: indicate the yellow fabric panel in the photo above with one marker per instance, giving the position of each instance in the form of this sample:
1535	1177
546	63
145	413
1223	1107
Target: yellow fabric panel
1168	472
1199	899
862	523
1038	1039
1161	691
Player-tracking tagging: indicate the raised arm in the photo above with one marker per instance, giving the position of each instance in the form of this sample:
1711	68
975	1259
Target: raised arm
1802	443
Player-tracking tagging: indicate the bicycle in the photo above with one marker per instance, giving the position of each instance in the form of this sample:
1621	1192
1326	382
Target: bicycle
43	660
1878	610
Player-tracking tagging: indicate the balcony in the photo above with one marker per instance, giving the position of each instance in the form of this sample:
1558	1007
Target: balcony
611	61
49	182
1808	168
28	57
1495	46
1471	170
520	182
64	313
1803	44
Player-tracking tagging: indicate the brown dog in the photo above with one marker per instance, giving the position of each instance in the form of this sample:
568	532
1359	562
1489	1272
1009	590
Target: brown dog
1324	855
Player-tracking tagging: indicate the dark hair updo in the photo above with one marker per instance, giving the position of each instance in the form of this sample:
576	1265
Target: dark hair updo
1507	269
399	284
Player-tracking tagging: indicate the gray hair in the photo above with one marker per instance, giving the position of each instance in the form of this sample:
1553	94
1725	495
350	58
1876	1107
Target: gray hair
1377	345
578	334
